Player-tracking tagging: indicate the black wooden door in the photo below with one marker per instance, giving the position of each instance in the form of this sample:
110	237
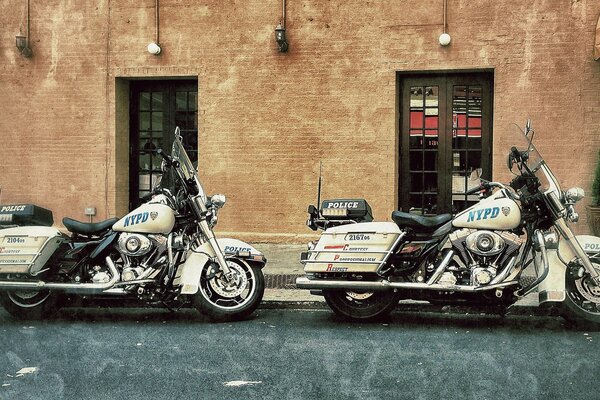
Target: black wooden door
156	108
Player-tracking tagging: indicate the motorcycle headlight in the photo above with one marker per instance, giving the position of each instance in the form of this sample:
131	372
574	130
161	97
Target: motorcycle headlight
574	194
218	200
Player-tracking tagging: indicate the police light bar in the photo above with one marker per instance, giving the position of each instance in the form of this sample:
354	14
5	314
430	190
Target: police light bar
354	209
335	212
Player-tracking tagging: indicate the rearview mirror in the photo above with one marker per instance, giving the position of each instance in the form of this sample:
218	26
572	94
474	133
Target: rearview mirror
475	174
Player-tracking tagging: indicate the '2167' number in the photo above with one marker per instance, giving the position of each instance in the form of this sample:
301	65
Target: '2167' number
357	236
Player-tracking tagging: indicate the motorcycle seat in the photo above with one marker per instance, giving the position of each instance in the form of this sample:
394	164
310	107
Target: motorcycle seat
419	223
85	228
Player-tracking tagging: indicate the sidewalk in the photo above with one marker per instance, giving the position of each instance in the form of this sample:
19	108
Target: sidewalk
283	267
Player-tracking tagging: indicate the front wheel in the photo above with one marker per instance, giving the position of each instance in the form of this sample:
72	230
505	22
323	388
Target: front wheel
30	304
582	302
236	299
363	306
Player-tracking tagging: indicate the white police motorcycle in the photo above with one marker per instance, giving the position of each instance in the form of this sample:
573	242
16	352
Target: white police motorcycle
163	252
477	257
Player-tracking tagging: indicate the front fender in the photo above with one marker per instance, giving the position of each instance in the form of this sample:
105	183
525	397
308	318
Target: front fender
552	289
235	248
191	270
188	276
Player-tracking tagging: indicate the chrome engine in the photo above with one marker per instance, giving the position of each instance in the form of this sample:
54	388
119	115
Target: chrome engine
134	244
483	254
140	254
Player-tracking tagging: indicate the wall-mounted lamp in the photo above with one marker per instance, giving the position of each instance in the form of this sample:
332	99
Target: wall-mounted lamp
597	42
22	42
154	47
282	43
23	46
445	38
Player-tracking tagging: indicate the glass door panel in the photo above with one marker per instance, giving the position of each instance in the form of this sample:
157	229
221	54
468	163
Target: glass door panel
423	143
466	143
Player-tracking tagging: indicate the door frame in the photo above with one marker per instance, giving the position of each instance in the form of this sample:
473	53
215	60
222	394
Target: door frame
136	86
448	78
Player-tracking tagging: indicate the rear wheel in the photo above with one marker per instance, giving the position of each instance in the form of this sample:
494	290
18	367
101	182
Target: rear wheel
31	304
363	306
221	300
582	302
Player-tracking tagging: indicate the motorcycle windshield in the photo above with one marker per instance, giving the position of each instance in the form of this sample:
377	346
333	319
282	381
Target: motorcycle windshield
189	172
535	162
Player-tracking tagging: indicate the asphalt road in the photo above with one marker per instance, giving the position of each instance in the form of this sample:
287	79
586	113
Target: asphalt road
294	354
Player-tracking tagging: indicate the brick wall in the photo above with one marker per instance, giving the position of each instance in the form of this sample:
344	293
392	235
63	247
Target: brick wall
266	119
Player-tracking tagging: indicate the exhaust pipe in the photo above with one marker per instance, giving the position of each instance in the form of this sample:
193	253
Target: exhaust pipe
79	288
383	284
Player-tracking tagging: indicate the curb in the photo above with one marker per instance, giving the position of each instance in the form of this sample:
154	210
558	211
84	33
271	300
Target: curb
409	306
288	282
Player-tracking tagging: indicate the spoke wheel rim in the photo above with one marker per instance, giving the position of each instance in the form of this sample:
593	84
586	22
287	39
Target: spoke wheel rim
359	296
584	293
28	299
229	296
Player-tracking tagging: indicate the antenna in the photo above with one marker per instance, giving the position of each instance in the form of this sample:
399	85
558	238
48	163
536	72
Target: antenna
319	187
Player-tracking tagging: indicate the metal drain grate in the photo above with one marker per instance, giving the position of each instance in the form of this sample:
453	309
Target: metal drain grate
281	281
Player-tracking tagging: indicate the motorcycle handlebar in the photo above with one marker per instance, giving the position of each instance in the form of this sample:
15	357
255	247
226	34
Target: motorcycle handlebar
475	189
166	157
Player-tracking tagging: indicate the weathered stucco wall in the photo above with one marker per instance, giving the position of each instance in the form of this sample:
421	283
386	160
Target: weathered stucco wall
266	119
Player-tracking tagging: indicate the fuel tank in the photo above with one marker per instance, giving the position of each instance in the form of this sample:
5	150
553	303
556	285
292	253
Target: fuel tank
497	212
147	218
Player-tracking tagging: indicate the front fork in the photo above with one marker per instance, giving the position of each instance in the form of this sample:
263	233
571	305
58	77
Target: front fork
212	241
574	245
200	210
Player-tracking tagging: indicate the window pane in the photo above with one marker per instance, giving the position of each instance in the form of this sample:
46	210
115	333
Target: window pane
431	122
431	96
193	101
431	139
157	101
144	100
416	161
181	119
416	139
430	161
416	119
157	121
416	96
181	100
416	182
473	160
430	182
144	121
